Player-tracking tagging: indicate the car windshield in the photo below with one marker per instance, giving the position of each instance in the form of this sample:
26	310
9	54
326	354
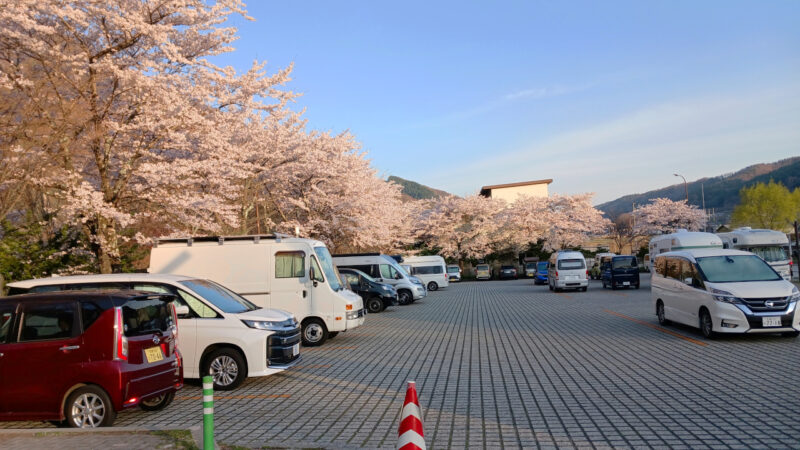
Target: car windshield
736	268
565	264
507	267
770	254
326	262
542	265
452	270
624	263
367	277
220	296
482	267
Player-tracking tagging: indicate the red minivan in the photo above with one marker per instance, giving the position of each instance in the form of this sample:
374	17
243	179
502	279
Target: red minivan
81	357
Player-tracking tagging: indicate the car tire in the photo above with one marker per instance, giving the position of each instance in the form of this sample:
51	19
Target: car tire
637	286
158	402
706	324
227	367
404	297
550	286
661	314
584	288
791	334
374	305
604	284
314	332
432	286
89	407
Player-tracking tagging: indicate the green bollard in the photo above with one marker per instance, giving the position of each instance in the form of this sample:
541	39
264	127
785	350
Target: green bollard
208	413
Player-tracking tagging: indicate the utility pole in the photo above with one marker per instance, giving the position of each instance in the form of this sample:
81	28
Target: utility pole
703	196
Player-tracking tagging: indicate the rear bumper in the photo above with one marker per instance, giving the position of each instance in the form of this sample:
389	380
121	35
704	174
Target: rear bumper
571	284
148	382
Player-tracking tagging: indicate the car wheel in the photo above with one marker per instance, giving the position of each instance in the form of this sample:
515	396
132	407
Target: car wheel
314	332
706	324
792	334
89	407
404	297
158	402
637	286
374	305
432	286
584	288
662	317
227	367
604	284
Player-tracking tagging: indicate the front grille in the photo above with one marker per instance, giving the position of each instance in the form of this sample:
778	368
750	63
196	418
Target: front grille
280	347
766	304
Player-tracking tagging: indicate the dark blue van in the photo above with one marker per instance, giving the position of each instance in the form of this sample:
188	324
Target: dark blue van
620	271
541	272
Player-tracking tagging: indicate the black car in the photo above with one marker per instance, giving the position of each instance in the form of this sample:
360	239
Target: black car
508	272
620	271
377	296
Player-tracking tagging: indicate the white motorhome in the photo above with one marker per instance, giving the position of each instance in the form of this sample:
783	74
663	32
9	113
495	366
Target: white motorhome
272	271
772	246
385	269
219	333
681	240
432	270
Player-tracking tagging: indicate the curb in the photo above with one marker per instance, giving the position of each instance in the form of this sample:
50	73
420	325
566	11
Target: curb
196	431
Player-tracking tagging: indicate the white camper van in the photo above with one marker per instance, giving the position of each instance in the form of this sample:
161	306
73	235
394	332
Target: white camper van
681	240
772	246
385	269
567	270
272	271
432	270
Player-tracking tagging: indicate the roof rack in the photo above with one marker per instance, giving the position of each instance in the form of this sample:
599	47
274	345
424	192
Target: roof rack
221	239
357	254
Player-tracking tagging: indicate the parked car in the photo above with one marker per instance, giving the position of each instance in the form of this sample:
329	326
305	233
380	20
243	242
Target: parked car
530	270
483	272
541	272
723	291
80	358
222	334
384	269
431	270
567	270
272	271
621	271
508	273
377	296
454	272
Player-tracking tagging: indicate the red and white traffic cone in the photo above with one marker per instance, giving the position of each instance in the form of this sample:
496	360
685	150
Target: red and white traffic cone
410	435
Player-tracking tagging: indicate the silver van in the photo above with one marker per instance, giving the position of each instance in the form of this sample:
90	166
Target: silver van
567	270
384	269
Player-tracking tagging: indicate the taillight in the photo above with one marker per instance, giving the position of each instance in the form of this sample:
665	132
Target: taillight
120	341
556	274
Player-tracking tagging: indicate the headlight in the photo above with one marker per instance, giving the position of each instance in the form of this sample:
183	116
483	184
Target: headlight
269	325
386	288
725	296
352	315
795	295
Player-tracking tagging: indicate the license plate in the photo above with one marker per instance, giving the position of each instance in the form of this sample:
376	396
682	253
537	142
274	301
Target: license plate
771	321
295	349
153	354
626	283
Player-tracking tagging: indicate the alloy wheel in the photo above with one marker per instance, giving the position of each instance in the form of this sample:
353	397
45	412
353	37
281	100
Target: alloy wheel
88	411
224	370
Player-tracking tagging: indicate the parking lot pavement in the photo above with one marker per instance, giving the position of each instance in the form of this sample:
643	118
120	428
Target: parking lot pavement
510	364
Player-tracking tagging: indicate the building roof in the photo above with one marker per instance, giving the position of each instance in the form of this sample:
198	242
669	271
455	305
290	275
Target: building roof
485	190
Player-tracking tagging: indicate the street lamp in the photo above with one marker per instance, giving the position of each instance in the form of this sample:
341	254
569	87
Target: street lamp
685	186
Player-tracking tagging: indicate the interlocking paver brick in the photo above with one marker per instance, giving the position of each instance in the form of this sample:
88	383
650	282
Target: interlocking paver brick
509	364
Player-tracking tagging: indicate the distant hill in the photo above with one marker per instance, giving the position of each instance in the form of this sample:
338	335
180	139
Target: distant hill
417	191
721	192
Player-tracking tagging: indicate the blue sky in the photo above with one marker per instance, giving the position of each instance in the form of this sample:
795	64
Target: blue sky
606	97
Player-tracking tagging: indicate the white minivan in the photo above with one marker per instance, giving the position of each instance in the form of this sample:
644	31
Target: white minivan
219	333
567	270
432	270
723	291
385	269
272	271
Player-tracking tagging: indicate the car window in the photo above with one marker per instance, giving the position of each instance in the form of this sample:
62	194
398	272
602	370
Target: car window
43	321
672	268
6	320
770	254
145	316
567	264
316	272
452	270
290	264
624	263
388	271
482	267
90	311
155	288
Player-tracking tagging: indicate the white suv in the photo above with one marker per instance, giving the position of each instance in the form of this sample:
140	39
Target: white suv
219	332
723	291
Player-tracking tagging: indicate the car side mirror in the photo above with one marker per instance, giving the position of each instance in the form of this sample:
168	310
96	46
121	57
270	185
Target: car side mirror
397	276
182	311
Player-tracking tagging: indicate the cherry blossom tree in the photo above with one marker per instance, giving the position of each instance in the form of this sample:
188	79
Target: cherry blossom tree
127	118
663	215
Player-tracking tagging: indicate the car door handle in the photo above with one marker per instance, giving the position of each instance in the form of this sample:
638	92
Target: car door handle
304	293
67	348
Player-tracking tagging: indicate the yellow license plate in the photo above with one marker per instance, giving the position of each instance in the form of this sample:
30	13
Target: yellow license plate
153	354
